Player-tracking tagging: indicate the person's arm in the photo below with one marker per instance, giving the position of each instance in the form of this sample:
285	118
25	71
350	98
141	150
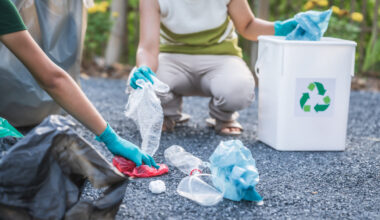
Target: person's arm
54	80
251	27
246	23
148	48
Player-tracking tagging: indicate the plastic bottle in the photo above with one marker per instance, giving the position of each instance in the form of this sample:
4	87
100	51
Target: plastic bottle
184	161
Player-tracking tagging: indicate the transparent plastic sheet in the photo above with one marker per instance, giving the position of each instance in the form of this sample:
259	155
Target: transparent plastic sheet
58	26
311	25
144	109
234	171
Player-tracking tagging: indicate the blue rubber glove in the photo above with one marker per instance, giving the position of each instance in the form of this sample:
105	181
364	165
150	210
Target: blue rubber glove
283	28
143	72
124	148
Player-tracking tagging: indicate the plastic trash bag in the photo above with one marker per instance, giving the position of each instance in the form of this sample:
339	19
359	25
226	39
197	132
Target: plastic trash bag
58	26
129	168
311	25
7	130
42	175
144	108
234	171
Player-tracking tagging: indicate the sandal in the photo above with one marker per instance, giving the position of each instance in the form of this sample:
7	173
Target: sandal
220	125
169	124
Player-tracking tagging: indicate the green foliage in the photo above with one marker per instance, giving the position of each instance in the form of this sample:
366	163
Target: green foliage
98	30
343	28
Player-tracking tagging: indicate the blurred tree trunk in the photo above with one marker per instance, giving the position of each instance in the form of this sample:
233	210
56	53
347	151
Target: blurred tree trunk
118	32
262	11
362	36
374	22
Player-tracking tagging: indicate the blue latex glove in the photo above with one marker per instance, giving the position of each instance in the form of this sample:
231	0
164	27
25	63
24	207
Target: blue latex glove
124	148
283	28
143	72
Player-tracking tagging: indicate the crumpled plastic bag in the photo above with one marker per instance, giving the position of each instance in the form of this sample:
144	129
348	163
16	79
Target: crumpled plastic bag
311	25
8	130
144	108
234	171
129	168
43	173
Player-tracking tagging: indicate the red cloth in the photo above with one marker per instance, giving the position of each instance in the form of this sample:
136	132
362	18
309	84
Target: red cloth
129	168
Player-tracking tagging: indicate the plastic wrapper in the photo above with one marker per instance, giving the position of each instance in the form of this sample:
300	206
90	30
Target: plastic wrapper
157	186
129	168
8	130
234	171
58	26
311	25
43	173
144	109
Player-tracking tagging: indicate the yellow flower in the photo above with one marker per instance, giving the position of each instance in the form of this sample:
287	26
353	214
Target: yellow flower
309	5
323	3
335	9
115	14
93	9
356	16
104	4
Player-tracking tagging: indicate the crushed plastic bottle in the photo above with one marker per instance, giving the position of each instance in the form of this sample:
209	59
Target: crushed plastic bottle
184	161
144	109
197	186
157	186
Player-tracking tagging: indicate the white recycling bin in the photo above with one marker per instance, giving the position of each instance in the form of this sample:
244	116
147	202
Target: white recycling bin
304	91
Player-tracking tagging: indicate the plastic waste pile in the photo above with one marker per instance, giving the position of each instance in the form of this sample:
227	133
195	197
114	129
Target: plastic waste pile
197	186
144	108
233	174
311	25
129	168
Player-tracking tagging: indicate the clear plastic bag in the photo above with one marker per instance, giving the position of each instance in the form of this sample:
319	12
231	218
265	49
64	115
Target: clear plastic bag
144	108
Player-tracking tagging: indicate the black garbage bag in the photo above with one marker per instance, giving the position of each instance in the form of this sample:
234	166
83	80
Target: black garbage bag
42	174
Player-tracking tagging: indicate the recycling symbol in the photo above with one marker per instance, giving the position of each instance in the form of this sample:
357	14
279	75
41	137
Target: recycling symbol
319	107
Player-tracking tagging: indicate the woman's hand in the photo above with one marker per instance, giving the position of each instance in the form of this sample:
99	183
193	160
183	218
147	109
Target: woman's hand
283	28
124	148
144	73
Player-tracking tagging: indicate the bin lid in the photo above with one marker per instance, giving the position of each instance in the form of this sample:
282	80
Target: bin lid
323	41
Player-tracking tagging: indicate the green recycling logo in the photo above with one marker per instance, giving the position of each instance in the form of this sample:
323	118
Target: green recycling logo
319	107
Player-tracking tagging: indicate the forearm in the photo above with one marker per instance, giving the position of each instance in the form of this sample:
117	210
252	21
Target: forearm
257	27
54	80
70	97
146	57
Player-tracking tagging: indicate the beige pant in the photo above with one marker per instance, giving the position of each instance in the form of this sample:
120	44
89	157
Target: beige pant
226	79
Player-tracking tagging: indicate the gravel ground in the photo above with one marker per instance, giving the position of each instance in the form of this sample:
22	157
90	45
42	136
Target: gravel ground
296	185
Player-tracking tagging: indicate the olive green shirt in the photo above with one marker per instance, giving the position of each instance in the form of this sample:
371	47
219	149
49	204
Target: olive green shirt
10	19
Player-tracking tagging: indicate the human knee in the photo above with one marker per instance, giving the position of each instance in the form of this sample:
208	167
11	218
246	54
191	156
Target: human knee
235	96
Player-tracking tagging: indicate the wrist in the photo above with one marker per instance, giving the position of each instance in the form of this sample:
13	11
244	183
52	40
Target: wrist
277	28
108	135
